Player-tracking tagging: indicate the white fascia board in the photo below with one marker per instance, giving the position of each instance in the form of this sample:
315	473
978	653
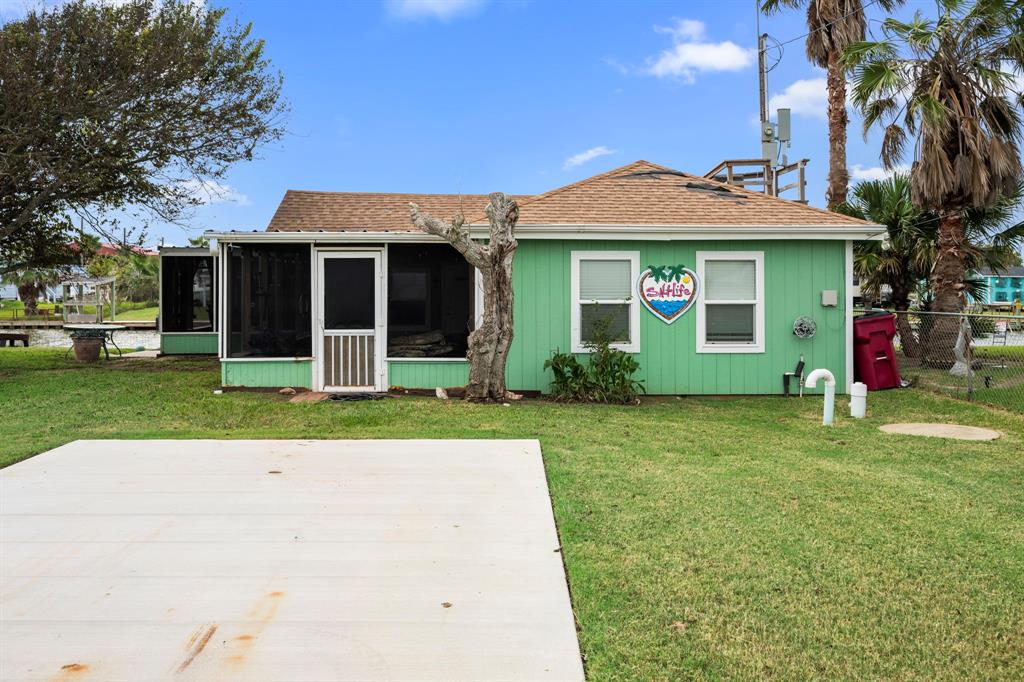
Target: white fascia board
184	251
693	232
321	237
615	232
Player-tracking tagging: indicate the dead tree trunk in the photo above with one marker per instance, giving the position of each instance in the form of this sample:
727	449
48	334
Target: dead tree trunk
489	344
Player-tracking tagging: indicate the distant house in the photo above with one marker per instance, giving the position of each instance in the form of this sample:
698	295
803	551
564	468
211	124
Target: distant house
701	281
1004	286
108	249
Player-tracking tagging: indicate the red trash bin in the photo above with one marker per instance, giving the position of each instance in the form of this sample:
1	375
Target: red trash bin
874	357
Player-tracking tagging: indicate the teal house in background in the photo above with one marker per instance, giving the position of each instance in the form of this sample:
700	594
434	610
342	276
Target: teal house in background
702	281
1003	287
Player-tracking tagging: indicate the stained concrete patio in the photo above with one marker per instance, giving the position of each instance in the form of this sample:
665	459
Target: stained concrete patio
283	560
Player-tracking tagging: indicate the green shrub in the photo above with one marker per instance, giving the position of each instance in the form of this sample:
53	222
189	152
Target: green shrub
608	378
570	382
982	327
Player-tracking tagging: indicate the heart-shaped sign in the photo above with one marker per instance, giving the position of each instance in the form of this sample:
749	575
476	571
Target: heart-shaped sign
667	291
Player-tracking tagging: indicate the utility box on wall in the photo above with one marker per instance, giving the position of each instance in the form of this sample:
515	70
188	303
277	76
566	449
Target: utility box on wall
829	298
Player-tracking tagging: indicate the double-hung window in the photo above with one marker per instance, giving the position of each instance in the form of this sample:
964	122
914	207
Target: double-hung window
730	312
603	298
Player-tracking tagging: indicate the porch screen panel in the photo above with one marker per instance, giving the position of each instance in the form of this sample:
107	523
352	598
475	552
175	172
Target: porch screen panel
430	302
269	295
187	294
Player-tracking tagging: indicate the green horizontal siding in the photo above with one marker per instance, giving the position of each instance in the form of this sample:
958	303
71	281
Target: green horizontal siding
795	274
413	374
267	373
188	344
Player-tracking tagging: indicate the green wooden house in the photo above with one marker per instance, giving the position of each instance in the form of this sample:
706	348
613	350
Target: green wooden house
702	281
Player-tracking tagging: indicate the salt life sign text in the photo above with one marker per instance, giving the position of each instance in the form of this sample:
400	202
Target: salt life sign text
667	291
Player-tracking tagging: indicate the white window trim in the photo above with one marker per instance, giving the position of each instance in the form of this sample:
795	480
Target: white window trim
634	305
758	346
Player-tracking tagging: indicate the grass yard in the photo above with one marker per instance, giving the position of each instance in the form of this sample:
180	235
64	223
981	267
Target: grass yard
11	309
703	538
125	310
998	378
147	313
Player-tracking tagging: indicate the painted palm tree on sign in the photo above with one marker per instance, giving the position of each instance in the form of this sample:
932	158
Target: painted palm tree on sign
833	25
945	85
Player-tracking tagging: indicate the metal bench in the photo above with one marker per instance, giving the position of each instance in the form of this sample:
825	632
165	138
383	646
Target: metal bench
11	339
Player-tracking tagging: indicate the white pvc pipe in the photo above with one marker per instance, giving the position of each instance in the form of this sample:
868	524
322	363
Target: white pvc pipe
830	391
858	400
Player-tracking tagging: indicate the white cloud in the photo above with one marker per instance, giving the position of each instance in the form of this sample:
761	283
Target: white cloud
805	97
443	10
859	172
583	157
691	53
213	192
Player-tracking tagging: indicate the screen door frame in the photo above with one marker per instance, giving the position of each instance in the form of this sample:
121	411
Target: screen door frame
379	338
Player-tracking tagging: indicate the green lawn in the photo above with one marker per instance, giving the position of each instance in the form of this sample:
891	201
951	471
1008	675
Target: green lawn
148	313
125	310
10	309
704	538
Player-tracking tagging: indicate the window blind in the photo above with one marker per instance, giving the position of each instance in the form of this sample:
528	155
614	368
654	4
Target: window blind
605	280
730	280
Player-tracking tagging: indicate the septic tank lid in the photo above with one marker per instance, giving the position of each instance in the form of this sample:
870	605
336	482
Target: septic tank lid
956	431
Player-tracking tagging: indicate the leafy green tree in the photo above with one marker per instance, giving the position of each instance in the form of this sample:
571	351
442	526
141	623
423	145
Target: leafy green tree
945	85
832	26
114	107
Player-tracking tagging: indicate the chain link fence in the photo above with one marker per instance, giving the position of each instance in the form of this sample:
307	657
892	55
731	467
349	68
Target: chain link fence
973	356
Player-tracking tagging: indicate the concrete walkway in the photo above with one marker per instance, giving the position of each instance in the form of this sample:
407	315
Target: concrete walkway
282	560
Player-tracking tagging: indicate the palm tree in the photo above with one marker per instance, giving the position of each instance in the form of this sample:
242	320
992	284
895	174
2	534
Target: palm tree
833	25
945	83
906	257
31	284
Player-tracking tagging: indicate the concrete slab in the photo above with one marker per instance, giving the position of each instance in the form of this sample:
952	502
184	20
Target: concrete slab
283	560
145	354
955	431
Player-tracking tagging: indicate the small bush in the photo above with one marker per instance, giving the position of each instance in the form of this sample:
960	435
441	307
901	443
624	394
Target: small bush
607	379
570	382
982	327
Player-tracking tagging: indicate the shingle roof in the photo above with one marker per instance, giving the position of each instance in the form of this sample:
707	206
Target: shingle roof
644	193
302	210
641	193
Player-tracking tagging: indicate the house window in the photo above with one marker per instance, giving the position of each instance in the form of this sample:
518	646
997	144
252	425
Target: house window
187	294
268	301
602	297
730	311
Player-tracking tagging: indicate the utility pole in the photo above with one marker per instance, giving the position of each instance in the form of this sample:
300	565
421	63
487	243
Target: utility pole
762	76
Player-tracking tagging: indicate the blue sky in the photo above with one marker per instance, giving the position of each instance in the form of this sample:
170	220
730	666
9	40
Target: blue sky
518	96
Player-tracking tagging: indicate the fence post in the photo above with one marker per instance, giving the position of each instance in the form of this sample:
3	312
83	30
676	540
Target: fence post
965	323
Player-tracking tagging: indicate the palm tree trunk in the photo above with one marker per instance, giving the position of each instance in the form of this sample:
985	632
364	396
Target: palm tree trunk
838	176
908	338
29	295
948	287
948	271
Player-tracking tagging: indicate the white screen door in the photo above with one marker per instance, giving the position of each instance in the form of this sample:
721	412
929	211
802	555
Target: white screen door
351	338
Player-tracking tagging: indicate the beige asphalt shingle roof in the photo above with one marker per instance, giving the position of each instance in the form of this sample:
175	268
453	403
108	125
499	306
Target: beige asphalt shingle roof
644	193
641	193
302	211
